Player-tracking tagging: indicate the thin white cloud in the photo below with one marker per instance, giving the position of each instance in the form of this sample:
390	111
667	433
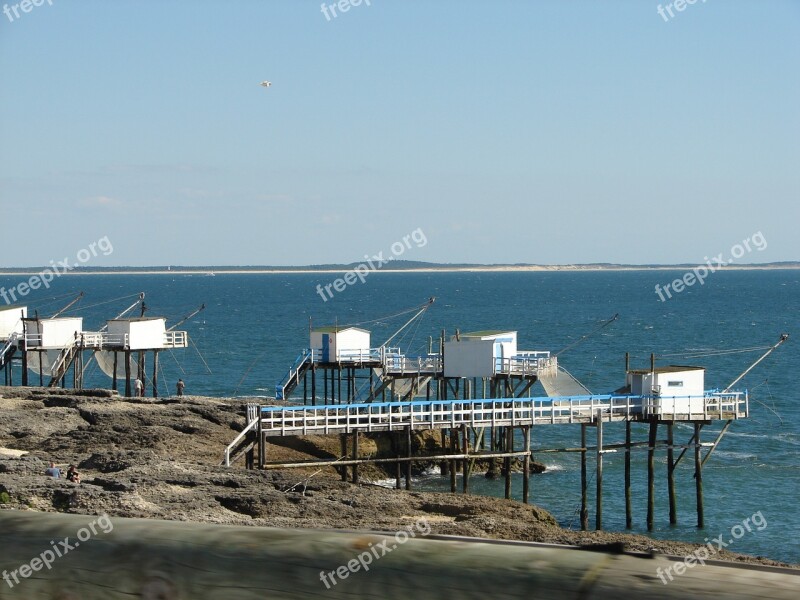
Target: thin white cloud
106	202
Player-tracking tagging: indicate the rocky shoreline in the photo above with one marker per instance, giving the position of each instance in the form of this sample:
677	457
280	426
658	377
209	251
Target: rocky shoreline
160	459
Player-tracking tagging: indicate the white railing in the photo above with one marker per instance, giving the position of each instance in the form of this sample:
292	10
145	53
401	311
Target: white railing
61	361
176	339
437	414
430	364
354	356
10	342
525	363
252	421
98	340
713	404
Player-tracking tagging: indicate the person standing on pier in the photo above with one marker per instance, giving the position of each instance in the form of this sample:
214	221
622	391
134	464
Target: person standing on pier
180	387
138	387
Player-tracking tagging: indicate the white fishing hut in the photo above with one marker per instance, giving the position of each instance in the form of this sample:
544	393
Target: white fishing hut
11	320
479	353
333	344
672	389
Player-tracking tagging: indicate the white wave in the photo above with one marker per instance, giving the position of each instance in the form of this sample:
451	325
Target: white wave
387	483
735	455
554	467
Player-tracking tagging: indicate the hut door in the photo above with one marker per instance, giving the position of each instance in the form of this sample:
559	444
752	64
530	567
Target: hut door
326	347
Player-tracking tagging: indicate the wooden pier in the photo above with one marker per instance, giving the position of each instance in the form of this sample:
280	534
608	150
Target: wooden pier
466	426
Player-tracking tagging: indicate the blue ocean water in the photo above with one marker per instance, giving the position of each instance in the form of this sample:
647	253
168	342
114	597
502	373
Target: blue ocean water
255	325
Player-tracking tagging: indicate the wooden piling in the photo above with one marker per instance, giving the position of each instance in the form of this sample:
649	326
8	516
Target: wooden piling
628	505
127	373
698	476
343	444
408	454
313	385
453	466
155	373
465	447
526	467
444	465
651	477
598	516
114	379
673	508
398	474
584	495
262	446
509	448
355	456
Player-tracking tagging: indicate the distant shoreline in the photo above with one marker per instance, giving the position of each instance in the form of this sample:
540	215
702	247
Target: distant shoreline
209	271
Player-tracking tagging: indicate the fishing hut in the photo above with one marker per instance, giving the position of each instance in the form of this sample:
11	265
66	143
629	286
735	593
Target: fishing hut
52	346
126	344
11	330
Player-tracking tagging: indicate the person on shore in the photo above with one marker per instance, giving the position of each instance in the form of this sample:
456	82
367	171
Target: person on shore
73	475
180	387
53	471
138	386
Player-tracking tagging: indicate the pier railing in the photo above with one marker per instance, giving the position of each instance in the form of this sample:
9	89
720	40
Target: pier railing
526	363
426	365
99	340
498	412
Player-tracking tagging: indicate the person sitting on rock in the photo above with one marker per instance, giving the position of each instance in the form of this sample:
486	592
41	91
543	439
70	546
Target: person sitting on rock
53	471
73	475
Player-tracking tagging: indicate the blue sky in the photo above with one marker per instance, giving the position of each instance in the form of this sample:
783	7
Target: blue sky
510	131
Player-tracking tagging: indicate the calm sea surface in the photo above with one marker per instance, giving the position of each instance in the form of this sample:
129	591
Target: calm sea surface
255	325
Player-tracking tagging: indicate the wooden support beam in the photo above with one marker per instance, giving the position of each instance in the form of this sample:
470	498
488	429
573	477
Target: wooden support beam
526	465
465	451
408	457
398	473
355	456
628	504
127	355
262	448
114	379
444	465
453	465
673	509
313	385
509	447
598	516
155	373
698	477
651	475
343	453
336	463
584	494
